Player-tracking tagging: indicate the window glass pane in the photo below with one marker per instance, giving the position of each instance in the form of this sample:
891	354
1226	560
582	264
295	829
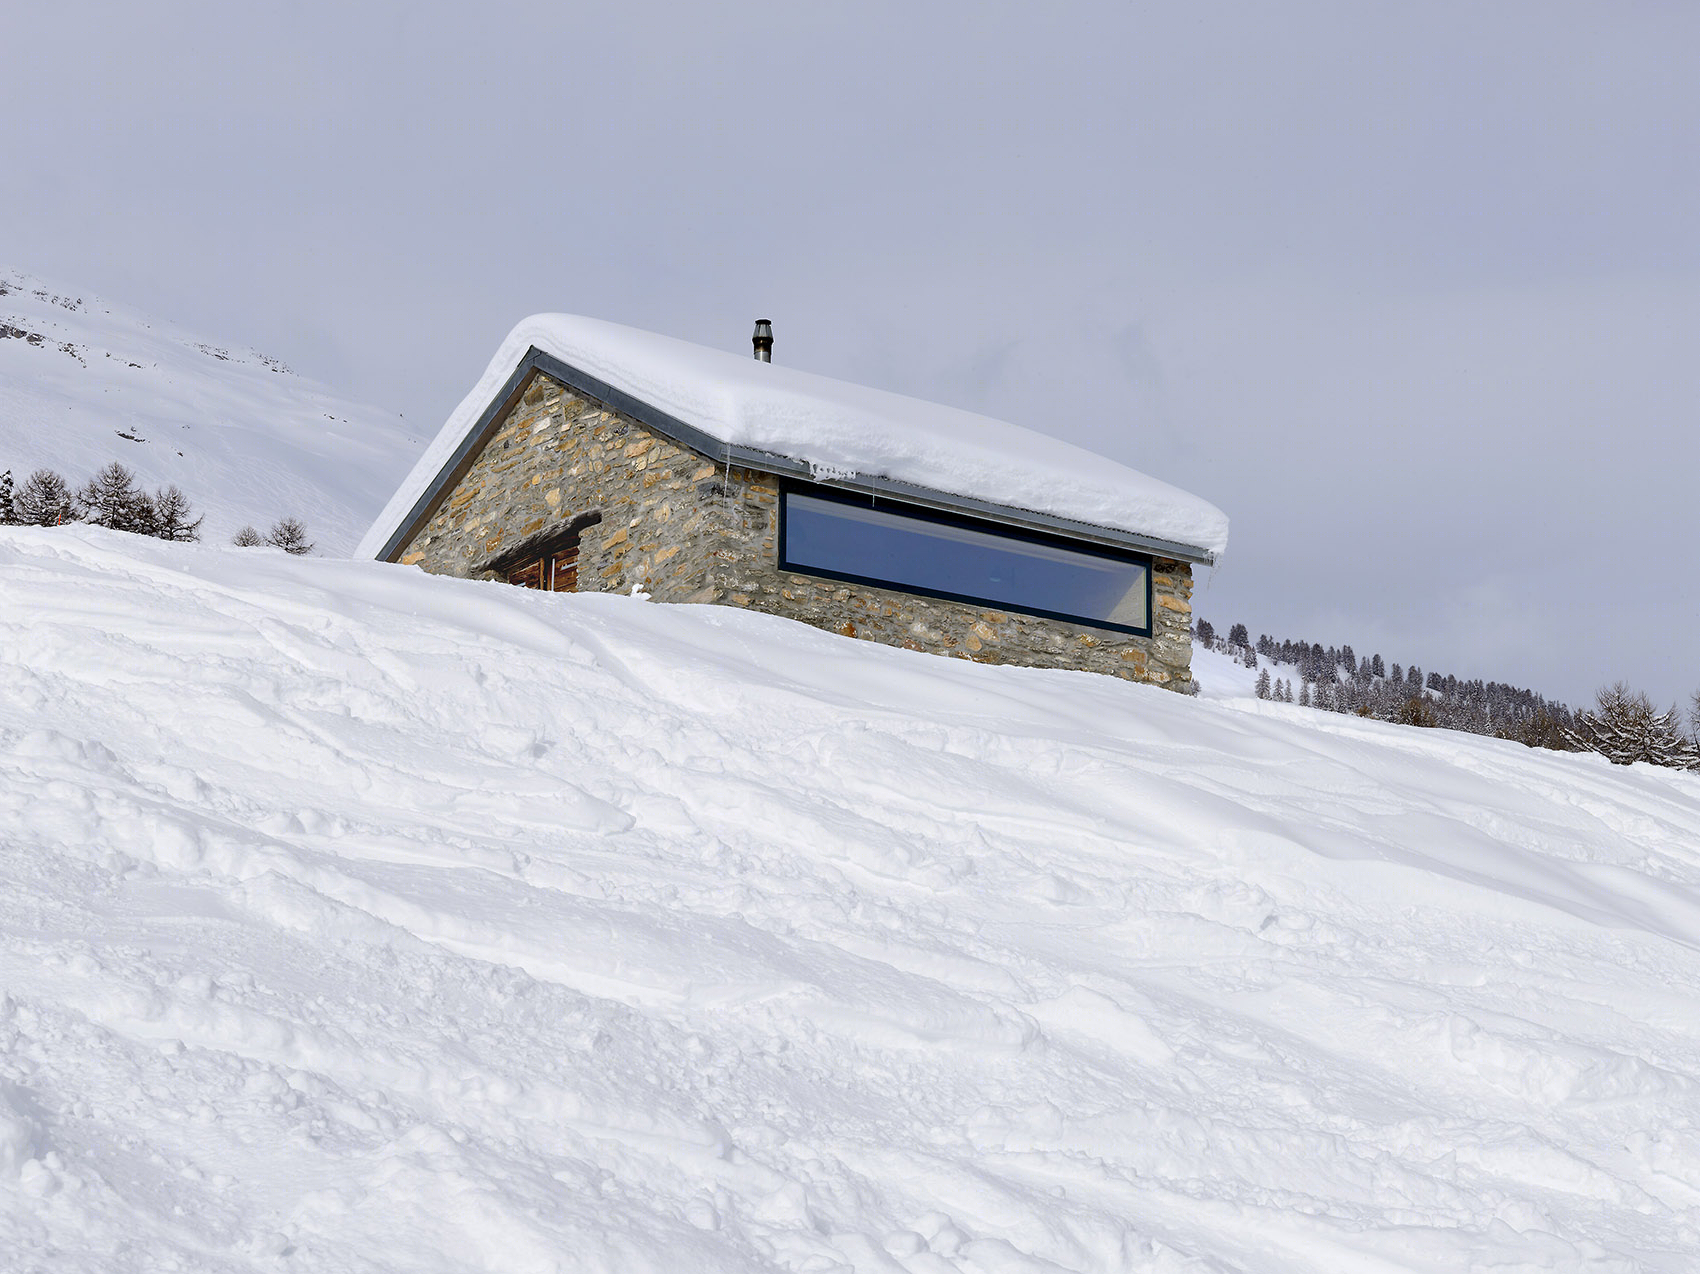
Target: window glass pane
941	557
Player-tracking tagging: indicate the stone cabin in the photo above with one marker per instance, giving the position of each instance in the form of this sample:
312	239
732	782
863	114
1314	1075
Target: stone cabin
598	458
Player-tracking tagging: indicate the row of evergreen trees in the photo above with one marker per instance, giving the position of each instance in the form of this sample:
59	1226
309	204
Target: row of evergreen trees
112	499
1623	725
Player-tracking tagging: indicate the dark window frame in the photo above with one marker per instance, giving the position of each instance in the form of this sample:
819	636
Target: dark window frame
1021	535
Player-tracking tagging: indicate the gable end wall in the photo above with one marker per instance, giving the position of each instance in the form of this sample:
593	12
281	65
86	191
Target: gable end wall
684	529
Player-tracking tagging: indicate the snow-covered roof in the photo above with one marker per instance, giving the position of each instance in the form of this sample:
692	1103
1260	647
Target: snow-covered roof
785	420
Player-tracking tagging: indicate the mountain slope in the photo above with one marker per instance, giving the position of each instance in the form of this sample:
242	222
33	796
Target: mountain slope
357	920
84	382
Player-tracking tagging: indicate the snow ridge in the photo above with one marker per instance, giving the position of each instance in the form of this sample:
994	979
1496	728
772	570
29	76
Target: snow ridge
354	919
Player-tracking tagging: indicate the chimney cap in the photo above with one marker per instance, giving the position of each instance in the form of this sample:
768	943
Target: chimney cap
763	340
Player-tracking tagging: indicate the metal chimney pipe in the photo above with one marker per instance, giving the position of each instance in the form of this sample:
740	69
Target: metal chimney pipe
763	341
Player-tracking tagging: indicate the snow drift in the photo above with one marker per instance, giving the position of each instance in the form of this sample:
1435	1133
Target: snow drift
357	920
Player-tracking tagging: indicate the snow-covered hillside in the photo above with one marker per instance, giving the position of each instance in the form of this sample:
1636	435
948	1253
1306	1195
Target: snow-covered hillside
84	382
356	920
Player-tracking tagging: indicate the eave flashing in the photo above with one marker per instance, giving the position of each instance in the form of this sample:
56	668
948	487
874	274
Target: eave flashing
725	453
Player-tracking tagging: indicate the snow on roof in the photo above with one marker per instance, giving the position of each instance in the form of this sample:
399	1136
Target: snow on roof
837	429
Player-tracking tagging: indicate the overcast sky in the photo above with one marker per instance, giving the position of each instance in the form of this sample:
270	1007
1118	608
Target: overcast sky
1412	291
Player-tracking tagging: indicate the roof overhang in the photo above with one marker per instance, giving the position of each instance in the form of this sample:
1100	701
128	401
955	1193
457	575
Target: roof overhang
725	453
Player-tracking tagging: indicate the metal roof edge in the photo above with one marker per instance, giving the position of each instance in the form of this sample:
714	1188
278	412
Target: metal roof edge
722	452
461	460
1010	515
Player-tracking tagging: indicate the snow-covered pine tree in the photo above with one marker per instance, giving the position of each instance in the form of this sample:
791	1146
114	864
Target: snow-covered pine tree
1680	751
173	517
1625	727
44	500
1416	711
1205	631
8	514
110	499
1263	684
1238	636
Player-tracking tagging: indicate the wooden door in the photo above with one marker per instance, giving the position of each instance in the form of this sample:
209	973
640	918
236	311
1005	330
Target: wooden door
561	570
555	572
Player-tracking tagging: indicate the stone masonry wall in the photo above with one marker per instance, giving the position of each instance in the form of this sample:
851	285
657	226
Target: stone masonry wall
682	529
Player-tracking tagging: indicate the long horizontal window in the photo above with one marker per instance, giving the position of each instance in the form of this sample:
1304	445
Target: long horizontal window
850	537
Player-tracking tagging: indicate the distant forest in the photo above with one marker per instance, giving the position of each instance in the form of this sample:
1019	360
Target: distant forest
1334	679
1623	725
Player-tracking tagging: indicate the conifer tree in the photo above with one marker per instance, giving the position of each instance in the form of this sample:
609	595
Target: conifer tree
45	500
173	517
1625	727
1237	636
8	510
1416	711
1263	684
289	535
110	499
1205	631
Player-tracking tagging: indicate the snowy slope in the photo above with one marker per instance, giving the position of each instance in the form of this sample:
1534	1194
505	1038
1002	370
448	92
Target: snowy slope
1220	677
353	920
839	429
84	382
